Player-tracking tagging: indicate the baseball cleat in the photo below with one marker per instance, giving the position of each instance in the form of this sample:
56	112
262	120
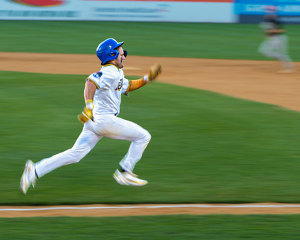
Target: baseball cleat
126	178
28	178
118	176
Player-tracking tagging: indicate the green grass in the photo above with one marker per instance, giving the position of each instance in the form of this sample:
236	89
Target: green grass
205	147
198	40
220	227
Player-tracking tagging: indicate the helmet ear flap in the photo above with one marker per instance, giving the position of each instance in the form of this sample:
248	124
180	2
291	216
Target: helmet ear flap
115	53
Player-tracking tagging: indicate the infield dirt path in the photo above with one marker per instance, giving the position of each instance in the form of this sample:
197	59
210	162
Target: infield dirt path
147	209
253	80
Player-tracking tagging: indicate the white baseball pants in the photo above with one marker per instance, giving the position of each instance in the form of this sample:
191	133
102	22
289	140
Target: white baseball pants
105	126
276	47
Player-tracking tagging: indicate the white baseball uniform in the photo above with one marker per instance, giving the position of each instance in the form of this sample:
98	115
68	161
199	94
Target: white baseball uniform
111	83
275	45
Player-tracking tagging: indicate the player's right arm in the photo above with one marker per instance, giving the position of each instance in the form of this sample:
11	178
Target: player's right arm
89	92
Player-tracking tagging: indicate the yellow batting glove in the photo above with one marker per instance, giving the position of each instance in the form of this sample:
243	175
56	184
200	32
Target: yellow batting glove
154	71
87	113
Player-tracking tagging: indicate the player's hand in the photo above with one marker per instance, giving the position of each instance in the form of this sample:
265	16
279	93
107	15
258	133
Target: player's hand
87	113
154	71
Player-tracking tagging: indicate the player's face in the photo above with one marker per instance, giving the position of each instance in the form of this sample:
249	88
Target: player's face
121	58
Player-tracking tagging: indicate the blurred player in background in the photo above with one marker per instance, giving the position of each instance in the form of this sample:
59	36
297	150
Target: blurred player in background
102	96
275	44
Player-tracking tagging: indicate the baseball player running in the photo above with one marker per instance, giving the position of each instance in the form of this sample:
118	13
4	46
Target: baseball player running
276	42
102	94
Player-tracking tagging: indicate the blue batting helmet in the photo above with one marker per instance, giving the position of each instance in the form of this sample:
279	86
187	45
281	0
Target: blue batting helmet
107	50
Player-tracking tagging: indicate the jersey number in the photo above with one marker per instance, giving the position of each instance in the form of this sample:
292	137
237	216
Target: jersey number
120	84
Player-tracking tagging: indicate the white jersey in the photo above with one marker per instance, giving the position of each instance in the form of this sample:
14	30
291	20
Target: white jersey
111	83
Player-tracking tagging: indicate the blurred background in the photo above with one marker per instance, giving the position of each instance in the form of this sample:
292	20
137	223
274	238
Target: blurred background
217	11
206	147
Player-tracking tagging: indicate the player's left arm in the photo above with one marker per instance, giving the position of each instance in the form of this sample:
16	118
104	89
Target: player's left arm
154	71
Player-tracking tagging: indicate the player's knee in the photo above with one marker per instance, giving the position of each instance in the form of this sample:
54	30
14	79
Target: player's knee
147	136
143	136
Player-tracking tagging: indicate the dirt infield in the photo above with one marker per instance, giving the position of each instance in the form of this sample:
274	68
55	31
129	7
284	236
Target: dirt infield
254	80
142	209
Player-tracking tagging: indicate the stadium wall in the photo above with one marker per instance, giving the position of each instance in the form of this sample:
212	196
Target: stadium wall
216	11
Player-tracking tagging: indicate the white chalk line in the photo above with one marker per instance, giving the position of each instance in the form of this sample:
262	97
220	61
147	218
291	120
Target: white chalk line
151	207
